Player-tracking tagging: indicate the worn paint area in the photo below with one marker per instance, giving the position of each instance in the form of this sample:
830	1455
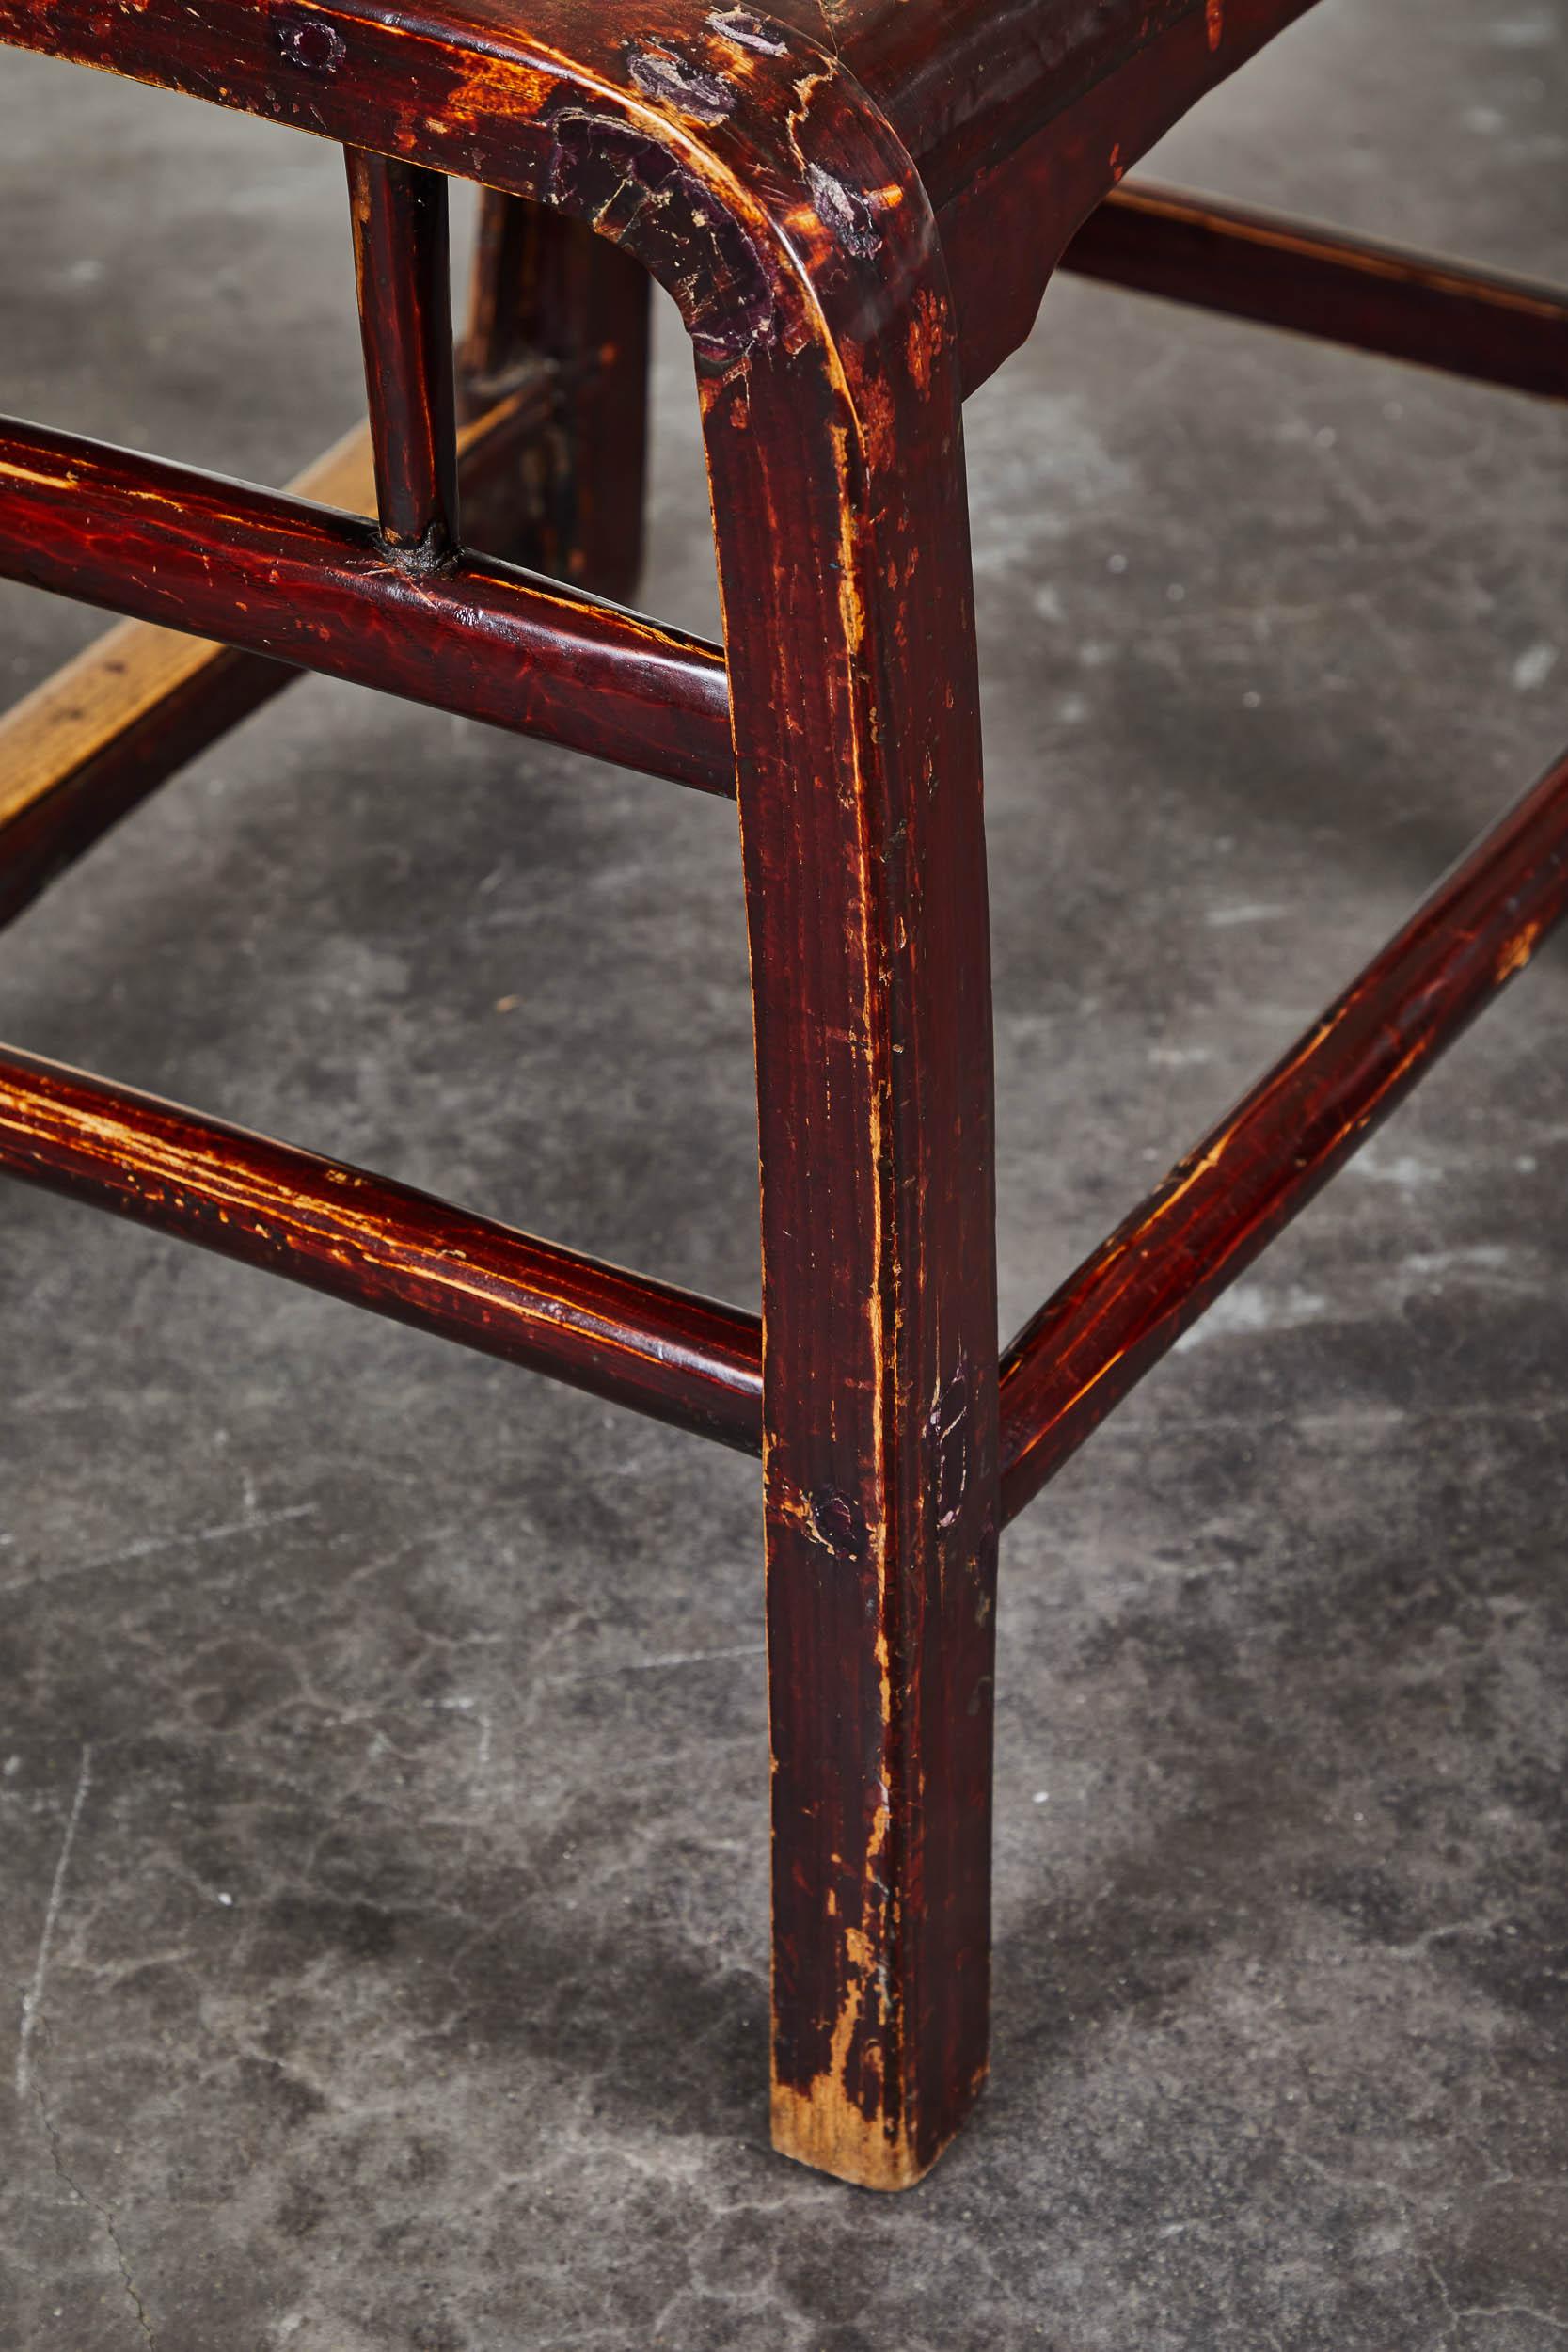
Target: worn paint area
845	212
635	190
749	31
948	1427
674	81
307	41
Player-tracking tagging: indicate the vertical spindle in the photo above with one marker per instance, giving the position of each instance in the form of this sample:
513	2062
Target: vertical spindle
401	260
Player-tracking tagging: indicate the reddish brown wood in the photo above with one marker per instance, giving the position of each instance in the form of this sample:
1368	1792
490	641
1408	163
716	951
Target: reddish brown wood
777	171
509	319
403	269
275	575
961	82
1251	265
402	1253
1019	117
95	741
1006	227
1222	1204
836	463
554	394
546	287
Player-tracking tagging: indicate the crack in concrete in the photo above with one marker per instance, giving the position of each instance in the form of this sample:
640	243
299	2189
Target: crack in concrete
93	2205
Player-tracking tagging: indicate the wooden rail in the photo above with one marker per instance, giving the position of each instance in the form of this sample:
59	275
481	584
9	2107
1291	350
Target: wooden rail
274	575
697	1364
401	1253
1219	1206
103	732
1250	265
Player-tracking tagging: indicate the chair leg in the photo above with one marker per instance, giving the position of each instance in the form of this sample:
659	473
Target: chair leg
838	489
544	287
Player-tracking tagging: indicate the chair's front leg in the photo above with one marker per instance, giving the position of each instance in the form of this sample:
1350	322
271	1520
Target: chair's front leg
838	489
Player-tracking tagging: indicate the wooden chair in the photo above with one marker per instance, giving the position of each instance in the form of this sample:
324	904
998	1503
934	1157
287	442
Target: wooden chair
857	207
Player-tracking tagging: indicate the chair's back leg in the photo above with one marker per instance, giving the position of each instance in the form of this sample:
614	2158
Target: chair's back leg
547	289
838	490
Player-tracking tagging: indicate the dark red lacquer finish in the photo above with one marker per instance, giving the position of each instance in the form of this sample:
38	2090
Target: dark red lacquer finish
857	209
414	1259
403	268
1251	265
276	576
548	290
844	560
1222	1205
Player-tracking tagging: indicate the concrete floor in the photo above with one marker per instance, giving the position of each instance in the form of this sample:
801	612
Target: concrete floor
382	1762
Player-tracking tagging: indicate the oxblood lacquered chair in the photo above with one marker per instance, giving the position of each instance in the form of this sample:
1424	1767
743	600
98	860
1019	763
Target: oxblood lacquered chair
857	205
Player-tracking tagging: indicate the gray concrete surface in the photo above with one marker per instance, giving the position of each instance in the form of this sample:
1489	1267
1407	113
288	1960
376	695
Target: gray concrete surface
382	1765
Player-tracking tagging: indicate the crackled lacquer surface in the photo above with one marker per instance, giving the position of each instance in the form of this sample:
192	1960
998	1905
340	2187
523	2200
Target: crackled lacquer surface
382	1733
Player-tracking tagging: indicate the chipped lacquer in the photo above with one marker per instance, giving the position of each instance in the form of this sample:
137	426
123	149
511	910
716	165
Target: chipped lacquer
857	211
